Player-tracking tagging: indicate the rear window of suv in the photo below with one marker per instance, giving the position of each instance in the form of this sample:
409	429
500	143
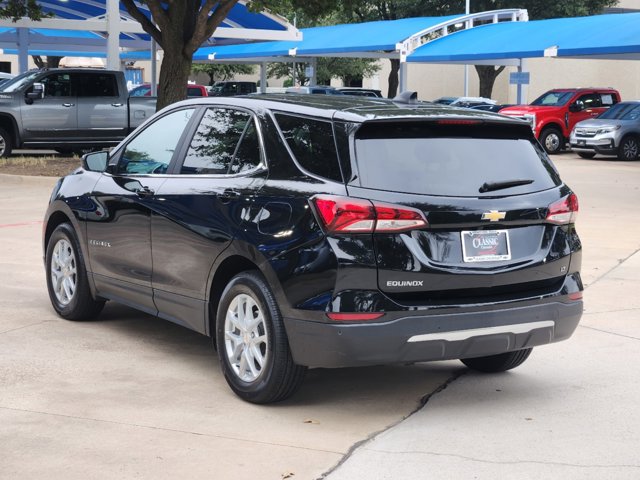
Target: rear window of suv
450	160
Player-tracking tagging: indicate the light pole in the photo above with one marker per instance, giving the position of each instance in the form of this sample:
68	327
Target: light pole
466	67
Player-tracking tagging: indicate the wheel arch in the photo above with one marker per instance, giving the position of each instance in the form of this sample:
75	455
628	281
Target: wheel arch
551	124
9	124
228	268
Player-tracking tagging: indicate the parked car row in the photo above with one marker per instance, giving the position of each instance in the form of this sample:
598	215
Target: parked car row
589	120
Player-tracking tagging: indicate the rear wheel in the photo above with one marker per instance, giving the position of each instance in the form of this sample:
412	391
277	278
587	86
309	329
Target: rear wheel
252	343
67	280
586	154
6	143
498	363
552	140
629	148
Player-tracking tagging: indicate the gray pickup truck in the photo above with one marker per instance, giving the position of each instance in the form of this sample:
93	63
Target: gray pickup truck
68	110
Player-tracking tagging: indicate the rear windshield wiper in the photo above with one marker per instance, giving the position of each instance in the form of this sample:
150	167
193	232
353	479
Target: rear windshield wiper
493	186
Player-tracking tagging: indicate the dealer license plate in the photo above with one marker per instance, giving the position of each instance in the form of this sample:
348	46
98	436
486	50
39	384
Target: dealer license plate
486	246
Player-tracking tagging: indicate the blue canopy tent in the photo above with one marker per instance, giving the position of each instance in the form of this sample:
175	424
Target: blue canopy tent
113	29
381	39
613	36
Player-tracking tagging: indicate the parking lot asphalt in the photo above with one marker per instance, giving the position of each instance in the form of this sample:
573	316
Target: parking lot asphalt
132	396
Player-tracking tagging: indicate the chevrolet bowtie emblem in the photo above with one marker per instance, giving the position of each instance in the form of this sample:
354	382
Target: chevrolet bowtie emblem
494	215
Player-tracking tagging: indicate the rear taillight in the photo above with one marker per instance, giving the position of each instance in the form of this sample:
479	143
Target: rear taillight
564	211
356	215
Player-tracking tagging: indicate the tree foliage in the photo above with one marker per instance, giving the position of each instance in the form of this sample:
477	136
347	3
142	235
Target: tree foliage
346	69
17	9
219	72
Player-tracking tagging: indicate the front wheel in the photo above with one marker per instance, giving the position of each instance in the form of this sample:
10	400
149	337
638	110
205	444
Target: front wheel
67	280
552	140
6	143
252	343
498	363
629	148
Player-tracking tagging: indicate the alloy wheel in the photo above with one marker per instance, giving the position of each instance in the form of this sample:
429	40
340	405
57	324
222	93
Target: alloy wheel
64	274
245	338
630	149
552	142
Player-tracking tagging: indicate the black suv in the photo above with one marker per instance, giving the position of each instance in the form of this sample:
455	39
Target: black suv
319	231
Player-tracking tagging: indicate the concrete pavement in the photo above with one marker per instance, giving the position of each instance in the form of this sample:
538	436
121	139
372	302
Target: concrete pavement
571	411
131	396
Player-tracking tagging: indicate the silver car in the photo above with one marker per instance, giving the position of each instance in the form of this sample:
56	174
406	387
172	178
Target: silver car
614	132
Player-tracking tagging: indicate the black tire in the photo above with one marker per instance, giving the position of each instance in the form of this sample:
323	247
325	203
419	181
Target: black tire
498	363
552	140
74	303
629	148
586	154
278	377
6	143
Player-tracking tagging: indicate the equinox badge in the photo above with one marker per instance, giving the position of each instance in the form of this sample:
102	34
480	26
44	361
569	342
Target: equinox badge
493	215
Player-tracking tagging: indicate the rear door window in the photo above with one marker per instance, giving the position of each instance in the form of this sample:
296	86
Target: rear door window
312	144
225	143
449	160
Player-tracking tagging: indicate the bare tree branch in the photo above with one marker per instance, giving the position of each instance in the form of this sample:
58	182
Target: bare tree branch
147	25
206	24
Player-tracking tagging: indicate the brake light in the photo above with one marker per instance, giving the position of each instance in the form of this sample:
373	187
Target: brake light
564	211
357	215
353	317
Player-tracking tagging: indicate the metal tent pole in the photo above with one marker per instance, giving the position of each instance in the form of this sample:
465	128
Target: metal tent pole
113	35
23	49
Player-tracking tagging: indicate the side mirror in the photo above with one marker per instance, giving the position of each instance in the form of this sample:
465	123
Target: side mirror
96	161
37	91
576	107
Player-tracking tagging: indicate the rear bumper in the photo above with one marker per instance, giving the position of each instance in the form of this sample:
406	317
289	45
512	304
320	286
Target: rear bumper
431	337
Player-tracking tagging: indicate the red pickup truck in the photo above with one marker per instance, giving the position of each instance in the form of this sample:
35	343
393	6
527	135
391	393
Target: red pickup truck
554	114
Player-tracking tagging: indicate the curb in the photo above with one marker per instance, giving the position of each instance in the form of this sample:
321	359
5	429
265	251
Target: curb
7	179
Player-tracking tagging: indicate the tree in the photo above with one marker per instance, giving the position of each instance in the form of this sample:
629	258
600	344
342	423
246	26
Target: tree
219	72
50	61
346	69
17	9
180	27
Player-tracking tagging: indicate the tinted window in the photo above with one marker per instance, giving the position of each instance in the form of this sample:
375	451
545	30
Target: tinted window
141	91
226	142
97	85
553	99
622	111
589	100
449	161
152	149
312	144
57	85
194	92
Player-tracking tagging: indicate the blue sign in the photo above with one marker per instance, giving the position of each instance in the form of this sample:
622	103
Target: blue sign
519	78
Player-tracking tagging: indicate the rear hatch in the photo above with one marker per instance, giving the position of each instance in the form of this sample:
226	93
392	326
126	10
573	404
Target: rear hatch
496	213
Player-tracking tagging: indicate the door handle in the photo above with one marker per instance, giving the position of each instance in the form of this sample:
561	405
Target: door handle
68	105
229	195
145	192
117	104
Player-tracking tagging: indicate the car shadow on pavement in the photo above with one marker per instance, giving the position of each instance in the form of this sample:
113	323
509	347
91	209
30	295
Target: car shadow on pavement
321	386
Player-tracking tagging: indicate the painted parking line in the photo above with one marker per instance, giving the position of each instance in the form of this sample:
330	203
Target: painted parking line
22	224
